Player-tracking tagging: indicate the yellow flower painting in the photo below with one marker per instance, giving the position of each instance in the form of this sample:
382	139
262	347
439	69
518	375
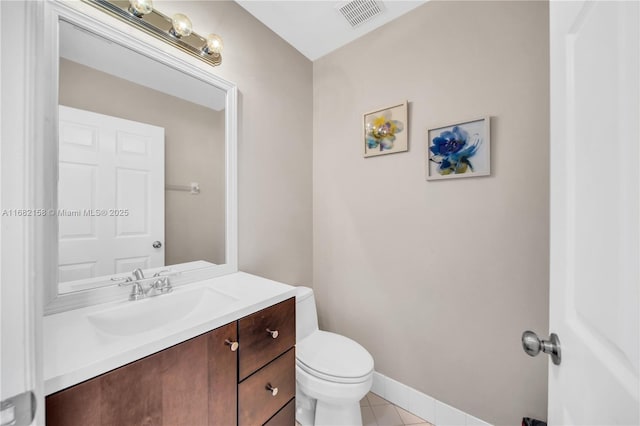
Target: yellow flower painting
384	131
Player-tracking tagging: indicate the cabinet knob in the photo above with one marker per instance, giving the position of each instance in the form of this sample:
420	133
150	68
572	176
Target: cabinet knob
274	391
233	345
273	333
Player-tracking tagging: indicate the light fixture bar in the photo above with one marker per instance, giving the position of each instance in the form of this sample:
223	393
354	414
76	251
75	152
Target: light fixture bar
159	25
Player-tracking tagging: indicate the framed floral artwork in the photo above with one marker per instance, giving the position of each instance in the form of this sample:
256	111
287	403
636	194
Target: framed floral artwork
459	150
385	130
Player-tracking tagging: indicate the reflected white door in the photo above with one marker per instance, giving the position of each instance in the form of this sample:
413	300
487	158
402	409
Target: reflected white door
595	215
110	195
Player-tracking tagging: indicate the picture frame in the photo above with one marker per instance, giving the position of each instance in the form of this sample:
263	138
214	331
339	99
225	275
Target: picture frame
459	150
385	131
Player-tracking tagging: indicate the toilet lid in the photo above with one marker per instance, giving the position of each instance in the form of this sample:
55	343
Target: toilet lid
333	355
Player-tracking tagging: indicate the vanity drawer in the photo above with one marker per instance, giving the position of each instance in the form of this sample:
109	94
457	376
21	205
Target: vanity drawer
257	345
285	417
256	403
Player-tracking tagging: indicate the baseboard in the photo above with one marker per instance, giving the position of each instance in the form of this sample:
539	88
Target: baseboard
420	404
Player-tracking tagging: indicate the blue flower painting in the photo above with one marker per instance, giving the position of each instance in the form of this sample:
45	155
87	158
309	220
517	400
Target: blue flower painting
457	150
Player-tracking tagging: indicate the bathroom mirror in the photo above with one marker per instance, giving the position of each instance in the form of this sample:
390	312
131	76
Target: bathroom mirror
144	146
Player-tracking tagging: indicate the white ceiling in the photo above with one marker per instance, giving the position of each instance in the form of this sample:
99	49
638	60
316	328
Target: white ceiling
316	28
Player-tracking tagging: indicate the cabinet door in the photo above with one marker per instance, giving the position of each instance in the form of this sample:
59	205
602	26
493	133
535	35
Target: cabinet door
76	406
130	395
223	376
185	383
169	387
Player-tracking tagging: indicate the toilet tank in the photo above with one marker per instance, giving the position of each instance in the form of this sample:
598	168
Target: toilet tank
306	314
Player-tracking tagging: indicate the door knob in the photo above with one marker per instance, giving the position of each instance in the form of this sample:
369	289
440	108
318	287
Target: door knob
157	244
532	345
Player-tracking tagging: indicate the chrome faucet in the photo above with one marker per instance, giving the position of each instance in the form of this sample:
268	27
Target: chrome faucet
138	274
158	284
137	292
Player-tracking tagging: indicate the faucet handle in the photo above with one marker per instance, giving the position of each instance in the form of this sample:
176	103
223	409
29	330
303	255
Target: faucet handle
162	283
137	292
123	280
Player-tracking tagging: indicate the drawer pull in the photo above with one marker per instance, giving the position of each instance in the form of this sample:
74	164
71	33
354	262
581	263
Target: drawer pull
273	333
234	345
274	391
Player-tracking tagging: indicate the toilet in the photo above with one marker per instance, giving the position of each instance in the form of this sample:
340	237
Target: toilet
333	372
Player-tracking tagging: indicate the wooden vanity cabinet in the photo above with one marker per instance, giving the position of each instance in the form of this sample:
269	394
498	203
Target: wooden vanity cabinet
180	385
196	382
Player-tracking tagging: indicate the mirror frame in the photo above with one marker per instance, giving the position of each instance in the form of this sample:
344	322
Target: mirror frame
46	114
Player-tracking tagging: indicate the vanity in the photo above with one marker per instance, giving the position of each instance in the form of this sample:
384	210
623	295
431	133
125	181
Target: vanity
227	360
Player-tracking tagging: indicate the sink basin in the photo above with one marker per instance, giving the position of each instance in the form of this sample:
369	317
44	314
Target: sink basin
154	312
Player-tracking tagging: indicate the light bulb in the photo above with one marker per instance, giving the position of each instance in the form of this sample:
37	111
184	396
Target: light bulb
140	7
214	44
182	26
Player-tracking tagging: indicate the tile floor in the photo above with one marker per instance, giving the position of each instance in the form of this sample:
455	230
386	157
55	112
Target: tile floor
377	411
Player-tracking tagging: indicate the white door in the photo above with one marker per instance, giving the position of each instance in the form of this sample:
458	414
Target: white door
595	215
110	195
21	386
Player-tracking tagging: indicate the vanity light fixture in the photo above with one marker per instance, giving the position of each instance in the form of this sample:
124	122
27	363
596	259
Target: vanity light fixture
176	30
140	7
214	44
181	25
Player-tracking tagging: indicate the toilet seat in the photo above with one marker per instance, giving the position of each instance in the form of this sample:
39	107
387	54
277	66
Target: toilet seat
334	358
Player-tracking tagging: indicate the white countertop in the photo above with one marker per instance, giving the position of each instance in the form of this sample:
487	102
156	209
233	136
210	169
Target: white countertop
75	350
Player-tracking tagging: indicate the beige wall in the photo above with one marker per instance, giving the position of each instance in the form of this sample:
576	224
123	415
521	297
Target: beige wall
439	279
275	138
194	152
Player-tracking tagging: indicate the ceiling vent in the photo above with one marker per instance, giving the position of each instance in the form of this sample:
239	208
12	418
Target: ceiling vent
358	12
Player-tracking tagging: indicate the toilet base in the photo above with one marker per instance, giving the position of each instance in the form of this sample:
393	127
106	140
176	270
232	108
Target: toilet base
305	409
334	415
312	412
